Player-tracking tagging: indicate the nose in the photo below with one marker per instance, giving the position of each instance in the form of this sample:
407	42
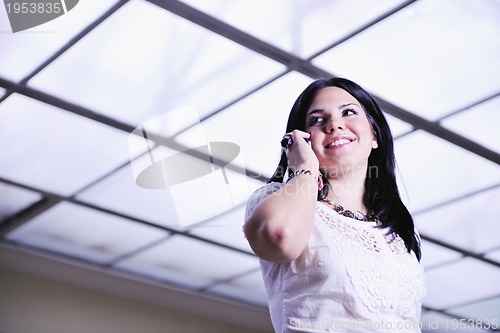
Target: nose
334	124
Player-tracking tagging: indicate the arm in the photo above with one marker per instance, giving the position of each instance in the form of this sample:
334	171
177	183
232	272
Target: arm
280	225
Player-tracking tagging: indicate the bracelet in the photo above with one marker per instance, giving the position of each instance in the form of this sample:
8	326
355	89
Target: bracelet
300	172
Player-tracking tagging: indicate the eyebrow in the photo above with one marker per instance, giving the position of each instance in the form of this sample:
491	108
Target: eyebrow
322	110
348	104
314	111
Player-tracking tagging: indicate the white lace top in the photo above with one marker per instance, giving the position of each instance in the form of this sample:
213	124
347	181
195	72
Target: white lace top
351	277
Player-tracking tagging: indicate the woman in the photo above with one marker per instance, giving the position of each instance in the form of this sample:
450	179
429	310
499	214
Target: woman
338	248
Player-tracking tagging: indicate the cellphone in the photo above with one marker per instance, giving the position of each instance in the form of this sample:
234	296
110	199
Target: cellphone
287	141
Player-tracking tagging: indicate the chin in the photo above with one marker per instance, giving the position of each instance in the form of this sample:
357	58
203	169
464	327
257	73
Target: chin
334	170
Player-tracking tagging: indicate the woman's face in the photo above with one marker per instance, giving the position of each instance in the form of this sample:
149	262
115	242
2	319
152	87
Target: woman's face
341	135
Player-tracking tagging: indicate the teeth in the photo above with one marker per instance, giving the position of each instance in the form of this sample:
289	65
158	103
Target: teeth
338	142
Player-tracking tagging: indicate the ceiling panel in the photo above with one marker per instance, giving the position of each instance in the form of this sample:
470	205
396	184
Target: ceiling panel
398	127
23	52
494	255
431	58
302	24
248	288
488	311
53	150
13	199
469	223
119	192
478	123
434	255
77	231
433	170
225	229
446	284
166	203
162	69
189	263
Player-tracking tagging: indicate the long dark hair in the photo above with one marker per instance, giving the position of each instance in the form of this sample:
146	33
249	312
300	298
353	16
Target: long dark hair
381	194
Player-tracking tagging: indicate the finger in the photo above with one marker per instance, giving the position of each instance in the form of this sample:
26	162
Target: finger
294	136
300	137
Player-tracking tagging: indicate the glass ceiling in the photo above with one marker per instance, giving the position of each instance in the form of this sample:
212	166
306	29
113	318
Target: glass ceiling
88	106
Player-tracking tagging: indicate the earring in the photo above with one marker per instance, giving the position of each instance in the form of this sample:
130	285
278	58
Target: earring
374	141
320	182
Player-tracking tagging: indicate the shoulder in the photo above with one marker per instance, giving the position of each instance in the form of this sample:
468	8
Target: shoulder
260	194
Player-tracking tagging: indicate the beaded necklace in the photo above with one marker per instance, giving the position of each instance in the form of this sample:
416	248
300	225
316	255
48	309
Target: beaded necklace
370	217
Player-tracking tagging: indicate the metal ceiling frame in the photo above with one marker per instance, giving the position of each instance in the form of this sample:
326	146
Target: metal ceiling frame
292	63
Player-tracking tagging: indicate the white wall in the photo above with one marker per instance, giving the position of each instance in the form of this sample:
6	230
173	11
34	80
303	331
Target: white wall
36	304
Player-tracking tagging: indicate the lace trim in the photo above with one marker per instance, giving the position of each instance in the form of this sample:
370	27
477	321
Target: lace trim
388	283
396	244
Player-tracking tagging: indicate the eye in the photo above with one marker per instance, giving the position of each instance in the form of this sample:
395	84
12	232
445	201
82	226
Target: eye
314	120
349	112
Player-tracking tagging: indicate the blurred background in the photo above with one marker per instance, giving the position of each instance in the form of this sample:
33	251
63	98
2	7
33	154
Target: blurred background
113	91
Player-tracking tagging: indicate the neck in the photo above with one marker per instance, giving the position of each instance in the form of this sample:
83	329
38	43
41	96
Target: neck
347	189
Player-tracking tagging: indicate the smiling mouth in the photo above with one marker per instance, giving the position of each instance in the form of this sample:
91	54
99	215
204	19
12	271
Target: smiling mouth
338	143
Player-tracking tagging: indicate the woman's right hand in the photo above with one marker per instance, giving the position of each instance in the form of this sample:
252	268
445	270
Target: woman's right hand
300	154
